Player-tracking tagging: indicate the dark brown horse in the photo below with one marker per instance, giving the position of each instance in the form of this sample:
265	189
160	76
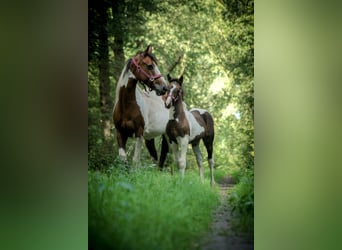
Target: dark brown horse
186	127
137	112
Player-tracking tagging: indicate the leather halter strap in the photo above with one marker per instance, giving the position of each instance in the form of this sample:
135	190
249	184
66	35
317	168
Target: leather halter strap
174	99
139	69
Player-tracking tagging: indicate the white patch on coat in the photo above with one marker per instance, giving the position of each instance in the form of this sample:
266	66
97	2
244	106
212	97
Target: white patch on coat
153	110
171	113
195	128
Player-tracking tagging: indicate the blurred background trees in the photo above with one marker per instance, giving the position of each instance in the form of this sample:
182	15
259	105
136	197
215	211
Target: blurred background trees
210	42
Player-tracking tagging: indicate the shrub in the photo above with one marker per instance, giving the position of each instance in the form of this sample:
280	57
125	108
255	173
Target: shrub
241	200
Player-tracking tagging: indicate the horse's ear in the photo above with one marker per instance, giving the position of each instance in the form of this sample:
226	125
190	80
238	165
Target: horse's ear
181	80
149	49
169	77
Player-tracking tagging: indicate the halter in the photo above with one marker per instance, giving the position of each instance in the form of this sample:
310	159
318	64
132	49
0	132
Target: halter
174	99
139	69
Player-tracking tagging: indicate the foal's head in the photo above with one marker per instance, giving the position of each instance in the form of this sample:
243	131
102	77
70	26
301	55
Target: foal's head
144	67
175	91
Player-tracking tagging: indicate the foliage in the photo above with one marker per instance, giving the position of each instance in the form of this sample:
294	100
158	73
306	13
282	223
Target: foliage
216	56
147	209
241	200
211	43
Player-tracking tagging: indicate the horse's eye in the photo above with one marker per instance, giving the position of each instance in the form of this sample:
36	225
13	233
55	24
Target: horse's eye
150	67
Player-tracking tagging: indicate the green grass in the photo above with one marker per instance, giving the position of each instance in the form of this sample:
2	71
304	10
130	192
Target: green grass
241	200
148	209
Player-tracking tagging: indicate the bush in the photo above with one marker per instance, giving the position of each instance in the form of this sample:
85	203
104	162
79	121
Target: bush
241	200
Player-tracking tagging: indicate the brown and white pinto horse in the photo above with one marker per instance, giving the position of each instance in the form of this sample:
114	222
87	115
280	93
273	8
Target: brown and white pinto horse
138	112
186	127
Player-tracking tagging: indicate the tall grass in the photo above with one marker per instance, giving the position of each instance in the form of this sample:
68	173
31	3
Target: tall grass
241	200
148	209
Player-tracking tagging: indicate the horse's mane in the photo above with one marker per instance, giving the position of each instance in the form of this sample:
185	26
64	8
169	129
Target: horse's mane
128	65
153	57
122	79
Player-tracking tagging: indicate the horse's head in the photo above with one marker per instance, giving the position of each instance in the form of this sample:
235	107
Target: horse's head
144	67
174	92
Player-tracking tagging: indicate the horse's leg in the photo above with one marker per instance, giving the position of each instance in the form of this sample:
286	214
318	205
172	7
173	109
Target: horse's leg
208	142
122	139
174	147
137	152
152	149
198	154
183	143
164	151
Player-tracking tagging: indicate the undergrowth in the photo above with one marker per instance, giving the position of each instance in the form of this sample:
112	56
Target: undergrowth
148	209
241	200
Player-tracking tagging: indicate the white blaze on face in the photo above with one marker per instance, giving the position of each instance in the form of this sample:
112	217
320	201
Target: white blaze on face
157	72
169	98
156	69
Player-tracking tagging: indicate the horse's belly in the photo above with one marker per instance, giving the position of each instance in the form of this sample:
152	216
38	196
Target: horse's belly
195	128
153	131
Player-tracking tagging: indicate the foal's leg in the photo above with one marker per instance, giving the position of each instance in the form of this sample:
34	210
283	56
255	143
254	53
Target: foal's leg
164	151
183	143
198	154
138	144
174	147
211	165
122	139
152	149
208	142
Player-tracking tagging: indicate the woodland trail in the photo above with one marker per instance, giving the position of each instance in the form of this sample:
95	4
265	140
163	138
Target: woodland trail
222	236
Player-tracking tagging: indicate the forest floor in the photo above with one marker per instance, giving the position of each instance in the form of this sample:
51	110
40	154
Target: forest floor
222	235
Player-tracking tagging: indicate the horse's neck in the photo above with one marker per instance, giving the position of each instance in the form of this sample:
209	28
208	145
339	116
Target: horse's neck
179	110
126	93
127	80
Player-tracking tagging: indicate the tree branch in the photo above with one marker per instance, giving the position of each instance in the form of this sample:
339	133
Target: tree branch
178	60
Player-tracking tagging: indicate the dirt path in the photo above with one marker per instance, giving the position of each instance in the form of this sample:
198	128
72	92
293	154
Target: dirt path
222	236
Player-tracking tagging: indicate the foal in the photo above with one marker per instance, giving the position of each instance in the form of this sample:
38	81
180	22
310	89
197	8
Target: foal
186	127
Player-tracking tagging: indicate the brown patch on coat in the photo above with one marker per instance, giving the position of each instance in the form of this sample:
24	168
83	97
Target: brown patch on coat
127	117
179	127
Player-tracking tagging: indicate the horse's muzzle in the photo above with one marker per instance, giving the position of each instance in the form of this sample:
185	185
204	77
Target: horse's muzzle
161	91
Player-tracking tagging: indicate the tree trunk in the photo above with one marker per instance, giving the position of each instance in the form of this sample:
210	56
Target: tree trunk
118	46
105	100
119	55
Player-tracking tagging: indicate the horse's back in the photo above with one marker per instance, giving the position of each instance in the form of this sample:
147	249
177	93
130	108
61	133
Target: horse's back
205	120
